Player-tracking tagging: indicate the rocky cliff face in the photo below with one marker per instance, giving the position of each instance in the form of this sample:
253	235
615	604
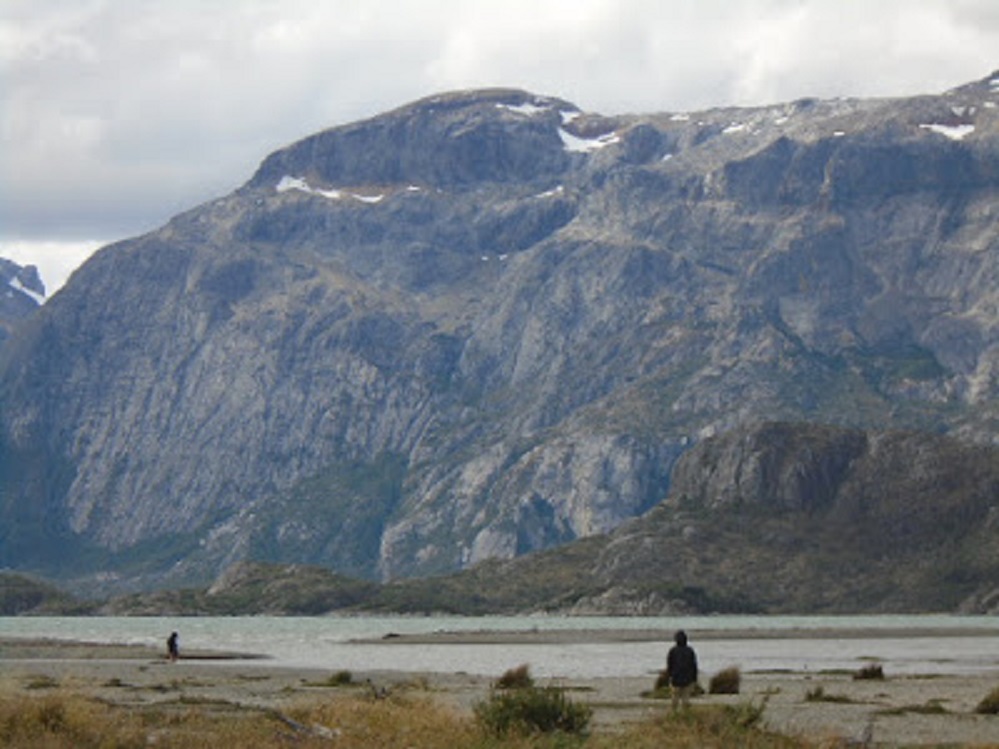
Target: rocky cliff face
488	323
782	518
21	293
774	518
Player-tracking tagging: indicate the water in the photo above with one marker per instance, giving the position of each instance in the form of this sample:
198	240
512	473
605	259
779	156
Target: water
329	643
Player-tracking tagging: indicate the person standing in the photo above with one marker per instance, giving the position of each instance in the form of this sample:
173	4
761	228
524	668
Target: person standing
681	670
173	647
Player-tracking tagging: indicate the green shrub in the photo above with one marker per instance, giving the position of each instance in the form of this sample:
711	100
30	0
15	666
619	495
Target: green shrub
990	704
872	672
516	678
726	681
532	710
340	679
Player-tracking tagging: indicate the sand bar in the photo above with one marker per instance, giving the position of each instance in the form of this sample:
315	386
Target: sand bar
577	636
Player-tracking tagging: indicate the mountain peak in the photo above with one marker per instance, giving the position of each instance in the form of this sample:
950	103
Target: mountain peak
443	141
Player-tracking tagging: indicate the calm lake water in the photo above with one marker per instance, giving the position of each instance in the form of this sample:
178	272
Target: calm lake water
329	643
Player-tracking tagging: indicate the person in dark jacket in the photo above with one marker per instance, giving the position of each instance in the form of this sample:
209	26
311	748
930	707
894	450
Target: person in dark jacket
173	647
681	670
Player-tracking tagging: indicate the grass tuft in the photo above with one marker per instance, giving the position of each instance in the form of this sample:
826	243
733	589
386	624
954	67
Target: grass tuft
41	682
989	704
726	681
342	678
819	695
516	678
873	672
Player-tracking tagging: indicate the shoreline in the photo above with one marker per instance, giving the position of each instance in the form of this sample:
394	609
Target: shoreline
900	710
580	636
54	648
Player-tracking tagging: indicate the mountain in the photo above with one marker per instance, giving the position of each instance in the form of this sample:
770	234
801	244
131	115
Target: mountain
21	293
489	323
766	518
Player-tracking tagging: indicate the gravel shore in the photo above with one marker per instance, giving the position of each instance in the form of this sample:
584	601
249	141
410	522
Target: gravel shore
896	711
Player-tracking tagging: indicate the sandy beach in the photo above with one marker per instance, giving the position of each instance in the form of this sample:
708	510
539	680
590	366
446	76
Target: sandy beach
896	711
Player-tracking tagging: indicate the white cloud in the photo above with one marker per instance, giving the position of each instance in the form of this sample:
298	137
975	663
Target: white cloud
119	114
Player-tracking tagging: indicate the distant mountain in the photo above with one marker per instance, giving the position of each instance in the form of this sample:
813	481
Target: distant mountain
21	293
488	323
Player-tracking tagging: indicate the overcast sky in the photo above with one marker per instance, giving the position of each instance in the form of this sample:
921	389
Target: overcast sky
118	114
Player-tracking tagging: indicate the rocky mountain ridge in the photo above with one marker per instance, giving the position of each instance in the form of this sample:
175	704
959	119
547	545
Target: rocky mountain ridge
21	293
488	323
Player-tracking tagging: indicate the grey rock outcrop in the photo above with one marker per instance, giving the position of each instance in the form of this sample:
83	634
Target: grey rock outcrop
488	323
783	517
21	293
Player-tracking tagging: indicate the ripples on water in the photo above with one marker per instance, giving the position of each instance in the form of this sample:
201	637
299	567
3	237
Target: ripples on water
329	643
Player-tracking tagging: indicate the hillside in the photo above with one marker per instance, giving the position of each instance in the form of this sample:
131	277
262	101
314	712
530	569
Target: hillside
769	518
488	323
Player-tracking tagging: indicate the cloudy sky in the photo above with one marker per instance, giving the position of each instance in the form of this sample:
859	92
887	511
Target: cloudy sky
118	114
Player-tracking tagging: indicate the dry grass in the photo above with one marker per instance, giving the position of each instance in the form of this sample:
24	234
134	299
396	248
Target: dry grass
61	719
516	678
819	694
711	727
726	681
989	704
872	672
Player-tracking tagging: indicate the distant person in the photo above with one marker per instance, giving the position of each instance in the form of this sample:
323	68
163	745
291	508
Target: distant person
173	648
681	670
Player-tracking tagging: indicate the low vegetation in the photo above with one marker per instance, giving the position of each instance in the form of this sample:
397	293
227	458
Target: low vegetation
532	710
989	704
873	672
516	678
336	679
931	707
661	689
65	720
726	681
818	694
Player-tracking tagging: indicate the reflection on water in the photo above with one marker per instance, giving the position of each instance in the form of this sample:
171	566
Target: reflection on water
329	643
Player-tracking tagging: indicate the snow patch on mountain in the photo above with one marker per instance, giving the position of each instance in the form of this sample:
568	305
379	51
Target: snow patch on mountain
954	132
527	109
575	144
551	193
15	283
288	183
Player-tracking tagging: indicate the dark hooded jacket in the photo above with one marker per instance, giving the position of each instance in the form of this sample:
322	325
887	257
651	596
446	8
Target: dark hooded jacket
681	662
